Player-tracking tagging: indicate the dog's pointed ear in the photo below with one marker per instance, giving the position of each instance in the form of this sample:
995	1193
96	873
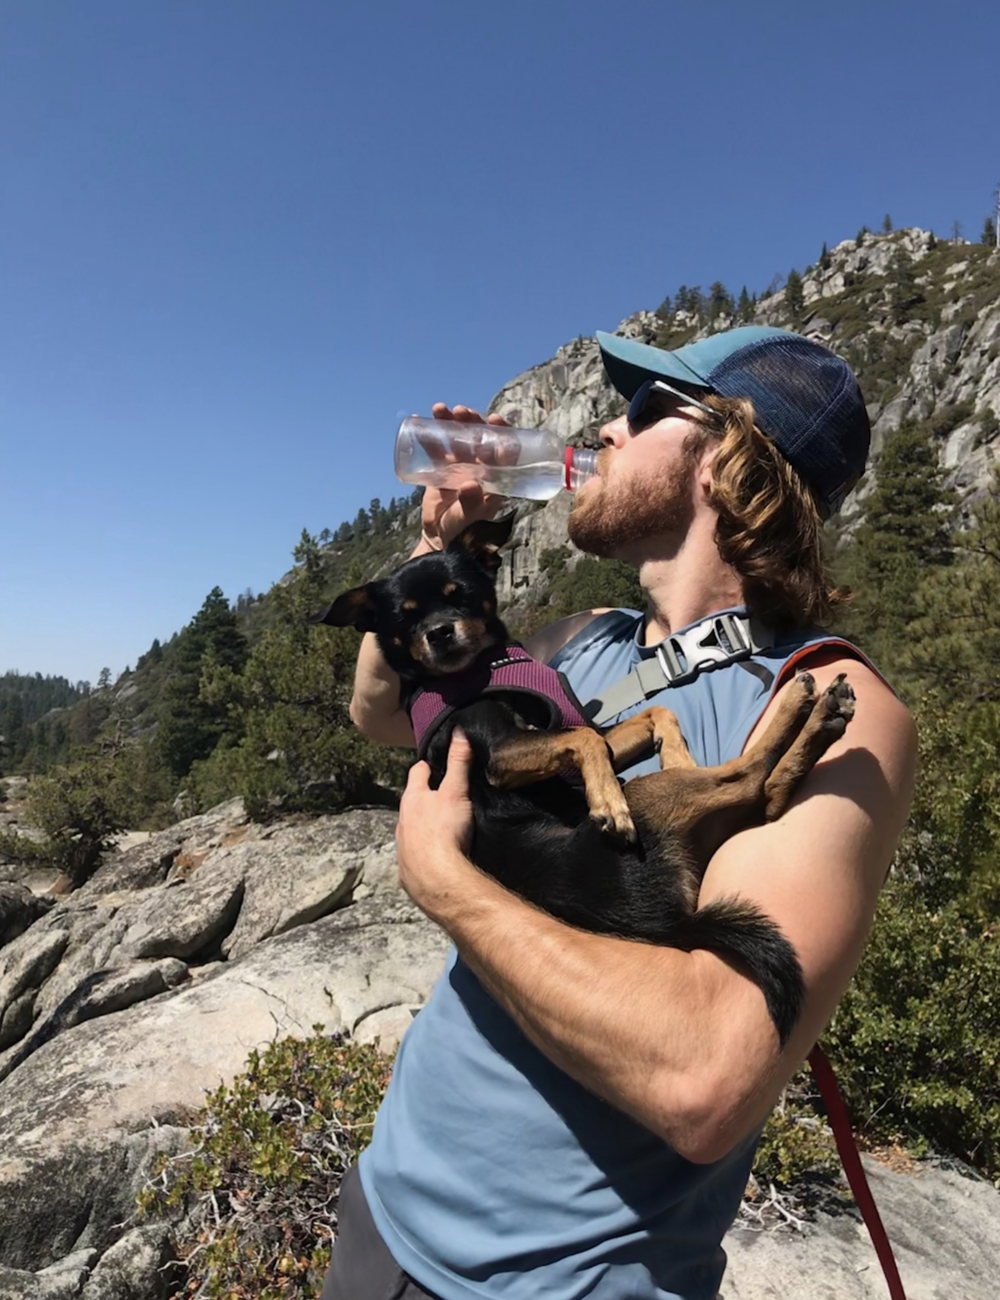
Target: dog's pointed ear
483	539
354	608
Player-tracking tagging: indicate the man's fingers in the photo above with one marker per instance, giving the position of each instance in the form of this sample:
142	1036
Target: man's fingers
419	777
460	756
467	415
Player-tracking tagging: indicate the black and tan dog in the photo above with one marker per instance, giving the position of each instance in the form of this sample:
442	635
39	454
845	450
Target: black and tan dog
625	860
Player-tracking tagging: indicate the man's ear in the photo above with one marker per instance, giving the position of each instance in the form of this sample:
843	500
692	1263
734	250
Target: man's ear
483	539
706	464
355	608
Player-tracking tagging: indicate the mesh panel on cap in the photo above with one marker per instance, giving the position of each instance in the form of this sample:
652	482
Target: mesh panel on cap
807	401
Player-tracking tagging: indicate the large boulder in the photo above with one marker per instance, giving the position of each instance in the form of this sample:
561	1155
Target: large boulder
943	1222
76	1113
19	908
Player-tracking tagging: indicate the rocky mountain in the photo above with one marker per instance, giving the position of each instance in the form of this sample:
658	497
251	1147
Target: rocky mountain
121	1004
918	319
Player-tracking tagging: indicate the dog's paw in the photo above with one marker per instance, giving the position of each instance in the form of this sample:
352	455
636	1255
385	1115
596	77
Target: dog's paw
614	822
837	704
806	683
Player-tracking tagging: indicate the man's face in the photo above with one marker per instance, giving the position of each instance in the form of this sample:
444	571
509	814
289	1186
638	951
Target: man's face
646	486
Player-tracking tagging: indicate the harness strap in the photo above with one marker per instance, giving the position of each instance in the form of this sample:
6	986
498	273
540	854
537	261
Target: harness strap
847	1149
713	643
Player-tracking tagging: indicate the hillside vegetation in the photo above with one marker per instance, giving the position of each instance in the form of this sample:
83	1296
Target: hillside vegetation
251	699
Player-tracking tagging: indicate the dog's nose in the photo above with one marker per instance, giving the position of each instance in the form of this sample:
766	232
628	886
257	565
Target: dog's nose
441	636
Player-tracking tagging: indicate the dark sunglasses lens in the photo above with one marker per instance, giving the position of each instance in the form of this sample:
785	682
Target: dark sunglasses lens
648	405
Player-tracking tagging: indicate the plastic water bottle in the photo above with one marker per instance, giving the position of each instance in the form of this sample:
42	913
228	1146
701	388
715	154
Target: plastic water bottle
530	463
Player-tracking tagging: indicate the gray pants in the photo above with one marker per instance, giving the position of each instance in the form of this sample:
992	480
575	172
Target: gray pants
361	1267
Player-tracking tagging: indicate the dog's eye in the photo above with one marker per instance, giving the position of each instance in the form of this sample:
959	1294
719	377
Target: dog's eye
411	606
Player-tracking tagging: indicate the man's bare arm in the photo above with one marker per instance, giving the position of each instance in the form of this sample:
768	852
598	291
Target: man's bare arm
683	1041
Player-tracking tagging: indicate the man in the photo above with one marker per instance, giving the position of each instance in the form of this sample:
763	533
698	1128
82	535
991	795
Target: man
574	1115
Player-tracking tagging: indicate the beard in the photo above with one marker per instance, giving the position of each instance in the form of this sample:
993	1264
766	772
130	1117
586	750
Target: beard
616	514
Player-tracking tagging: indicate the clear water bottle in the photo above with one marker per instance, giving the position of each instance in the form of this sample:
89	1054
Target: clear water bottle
530	463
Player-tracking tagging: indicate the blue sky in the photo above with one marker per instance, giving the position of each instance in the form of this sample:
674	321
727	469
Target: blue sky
238	238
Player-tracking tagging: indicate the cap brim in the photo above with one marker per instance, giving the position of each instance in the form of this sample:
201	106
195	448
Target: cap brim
630	363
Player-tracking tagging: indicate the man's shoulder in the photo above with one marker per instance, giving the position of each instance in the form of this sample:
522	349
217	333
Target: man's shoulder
547	643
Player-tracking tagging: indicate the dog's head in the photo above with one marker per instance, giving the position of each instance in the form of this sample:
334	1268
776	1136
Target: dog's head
437	612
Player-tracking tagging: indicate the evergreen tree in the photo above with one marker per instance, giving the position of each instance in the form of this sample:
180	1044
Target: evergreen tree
720	301
824	258
744	310
795	302
957	646
298	748
887	224
905	295
989	235
905	534
190	727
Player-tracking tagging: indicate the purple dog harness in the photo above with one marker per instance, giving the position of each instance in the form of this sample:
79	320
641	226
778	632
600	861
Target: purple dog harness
501	668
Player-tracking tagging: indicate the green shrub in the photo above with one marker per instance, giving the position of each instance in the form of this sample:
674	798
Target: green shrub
917	1038
81	807
262	1180
796	1141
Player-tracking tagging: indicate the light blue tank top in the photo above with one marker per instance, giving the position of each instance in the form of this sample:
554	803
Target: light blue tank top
492	1175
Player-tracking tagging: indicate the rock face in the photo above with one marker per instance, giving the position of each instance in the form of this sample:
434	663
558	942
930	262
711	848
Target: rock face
124	1003
941	361
943	1225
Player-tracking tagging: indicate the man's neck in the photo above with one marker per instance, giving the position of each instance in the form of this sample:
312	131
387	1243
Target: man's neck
685	582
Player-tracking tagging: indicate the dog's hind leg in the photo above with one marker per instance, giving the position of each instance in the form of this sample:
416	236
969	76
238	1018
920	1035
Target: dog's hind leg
703	806
827	722
657	727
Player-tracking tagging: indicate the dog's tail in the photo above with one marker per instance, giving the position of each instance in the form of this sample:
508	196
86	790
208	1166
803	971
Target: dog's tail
733	927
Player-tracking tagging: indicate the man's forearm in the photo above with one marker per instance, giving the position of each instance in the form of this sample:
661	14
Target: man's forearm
641	1026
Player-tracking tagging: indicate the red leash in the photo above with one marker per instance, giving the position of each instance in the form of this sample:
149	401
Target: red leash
849	1158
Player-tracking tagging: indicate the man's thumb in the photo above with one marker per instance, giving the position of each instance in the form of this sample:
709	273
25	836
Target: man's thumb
460	758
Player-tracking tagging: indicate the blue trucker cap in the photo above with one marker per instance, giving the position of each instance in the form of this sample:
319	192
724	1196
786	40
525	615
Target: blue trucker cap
805	398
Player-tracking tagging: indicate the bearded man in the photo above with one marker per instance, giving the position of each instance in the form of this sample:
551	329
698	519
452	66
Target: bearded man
575	1115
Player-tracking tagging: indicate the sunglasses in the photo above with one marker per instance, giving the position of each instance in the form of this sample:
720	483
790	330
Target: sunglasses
655	399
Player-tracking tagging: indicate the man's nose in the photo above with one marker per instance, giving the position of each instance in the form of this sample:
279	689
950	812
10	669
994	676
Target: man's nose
615	433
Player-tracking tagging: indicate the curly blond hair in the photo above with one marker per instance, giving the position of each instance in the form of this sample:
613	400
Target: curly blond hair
770	527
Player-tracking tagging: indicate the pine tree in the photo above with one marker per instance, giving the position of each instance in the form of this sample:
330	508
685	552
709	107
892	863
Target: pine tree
720	301
298	748
905	534
795	302
190	727
957	647
905	295
989	235
887	224
824	258
744	311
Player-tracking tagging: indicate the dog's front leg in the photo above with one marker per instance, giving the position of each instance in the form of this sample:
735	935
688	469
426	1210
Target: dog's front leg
537	755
